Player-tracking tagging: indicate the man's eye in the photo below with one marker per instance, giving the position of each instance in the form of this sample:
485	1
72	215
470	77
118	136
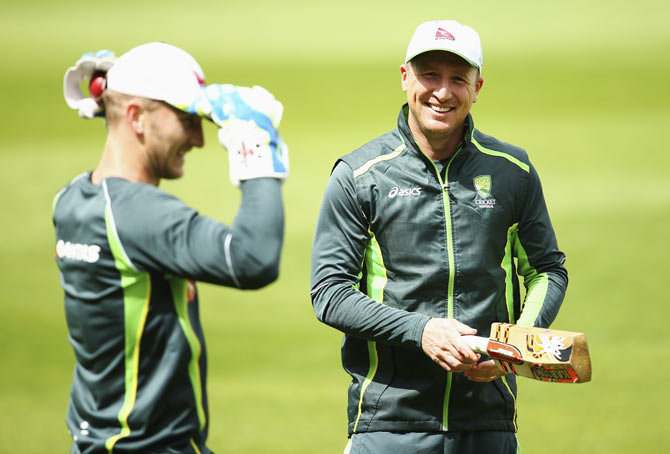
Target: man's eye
188	121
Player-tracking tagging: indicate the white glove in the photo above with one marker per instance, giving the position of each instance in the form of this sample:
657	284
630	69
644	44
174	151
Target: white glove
85	68
248	119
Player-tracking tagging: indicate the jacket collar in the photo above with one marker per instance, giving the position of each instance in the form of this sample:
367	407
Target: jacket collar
408	138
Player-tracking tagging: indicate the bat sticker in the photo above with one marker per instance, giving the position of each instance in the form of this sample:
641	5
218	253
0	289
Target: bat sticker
543	346
554	375
501	333
505	352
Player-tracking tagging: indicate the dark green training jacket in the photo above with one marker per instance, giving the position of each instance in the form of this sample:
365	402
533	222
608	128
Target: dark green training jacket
128	255
399	241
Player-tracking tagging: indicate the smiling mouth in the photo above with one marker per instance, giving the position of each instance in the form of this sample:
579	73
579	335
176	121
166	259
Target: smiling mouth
440	109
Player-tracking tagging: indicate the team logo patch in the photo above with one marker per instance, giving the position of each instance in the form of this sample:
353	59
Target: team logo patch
483	185
443	34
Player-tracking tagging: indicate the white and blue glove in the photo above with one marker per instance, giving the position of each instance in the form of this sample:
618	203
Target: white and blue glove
89	65
248	119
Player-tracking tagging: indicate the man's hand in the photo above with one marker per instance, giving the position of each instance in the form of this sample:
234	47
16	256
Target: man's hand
248	119
89	65
484	372
441	341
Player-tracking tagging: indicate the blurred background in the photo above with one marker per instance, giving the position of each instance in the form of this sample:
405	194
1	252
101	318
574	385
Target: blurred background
583	86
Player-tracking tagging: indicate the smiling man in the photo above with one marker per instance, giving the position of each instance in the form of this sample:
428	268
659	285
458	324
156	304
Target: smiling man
421	239
129	253
441	88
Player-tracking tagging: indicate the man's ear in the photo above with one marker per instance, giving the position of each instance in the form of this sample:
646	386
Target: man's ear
478	86
403	76
136	117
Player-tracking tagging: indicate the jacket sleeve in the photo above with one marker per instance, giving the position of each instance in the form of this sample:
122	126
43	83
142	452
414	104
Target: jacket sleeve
540	261
159	233
338	253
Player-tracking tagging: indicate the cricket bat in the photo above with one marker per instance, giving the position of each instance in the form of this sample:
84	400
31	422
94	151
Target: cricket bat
538	353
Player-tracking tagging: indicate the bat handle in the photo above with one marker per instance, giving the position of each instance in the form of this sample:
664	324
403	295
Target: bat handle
476	343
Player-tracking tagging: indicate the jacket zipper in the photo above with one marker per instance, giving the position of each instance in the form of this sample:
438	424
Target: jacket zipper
452	274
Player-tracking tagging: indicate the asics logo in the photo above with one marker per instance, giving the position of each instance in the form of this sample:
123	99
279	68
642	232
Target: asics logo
408	192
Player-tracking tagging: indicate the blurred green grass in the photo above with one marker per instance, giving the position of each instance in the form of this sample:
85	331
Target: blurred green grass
581	85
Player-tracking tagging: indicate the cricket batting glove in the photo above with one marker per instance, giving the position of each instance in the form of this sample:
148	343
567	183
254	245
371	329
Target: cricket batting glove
248	119
88	67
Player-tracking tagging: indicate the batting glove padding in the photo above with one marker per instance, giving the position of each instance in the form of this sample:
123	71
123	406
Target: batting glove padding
89	64
248	119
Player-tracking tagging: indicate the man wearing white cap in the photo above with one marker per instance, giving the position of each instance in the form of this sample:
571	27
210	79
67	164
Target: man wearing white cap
421	237
129	253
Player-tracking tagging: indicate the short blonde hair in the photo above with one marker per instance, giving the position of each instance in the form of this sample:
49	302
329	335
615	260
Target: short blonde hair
115	105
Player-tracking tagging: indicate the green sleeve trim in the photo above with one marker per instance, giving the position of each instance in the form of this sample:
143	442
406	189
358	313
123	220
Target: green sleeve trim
508	266
136	297
376	270
180	289
56	198
525	167
537	285
376	281
113	235
385	157
194	446
536	293
504	380
373	357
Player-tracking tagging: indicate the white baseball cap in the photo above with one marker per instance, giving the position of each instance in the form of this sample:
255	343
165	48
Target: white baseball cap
158	71
450	36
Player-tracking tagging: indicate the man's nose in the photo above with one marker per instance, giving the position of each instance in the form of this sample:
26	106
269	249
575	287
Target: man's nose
443	91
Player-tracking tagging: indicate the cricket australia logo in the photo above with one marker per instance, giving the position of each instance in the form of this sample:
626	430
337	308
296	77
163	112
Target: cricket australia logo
483	185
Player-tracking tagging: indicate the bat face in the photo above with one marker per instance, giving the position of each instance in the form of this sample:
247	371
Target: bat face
545	354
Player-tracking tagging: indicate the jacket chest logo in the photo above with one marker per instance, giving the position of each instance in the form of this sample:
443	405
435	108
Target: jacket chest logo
404	192
483	184
89	253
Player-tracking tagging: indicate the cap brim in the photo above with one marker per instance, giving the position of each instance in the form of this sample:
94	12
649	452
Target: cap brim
198	105
473	64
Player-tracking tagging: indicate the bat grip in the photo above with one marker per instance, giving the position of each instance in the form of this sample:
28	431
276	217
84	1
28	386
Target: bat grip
476	343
